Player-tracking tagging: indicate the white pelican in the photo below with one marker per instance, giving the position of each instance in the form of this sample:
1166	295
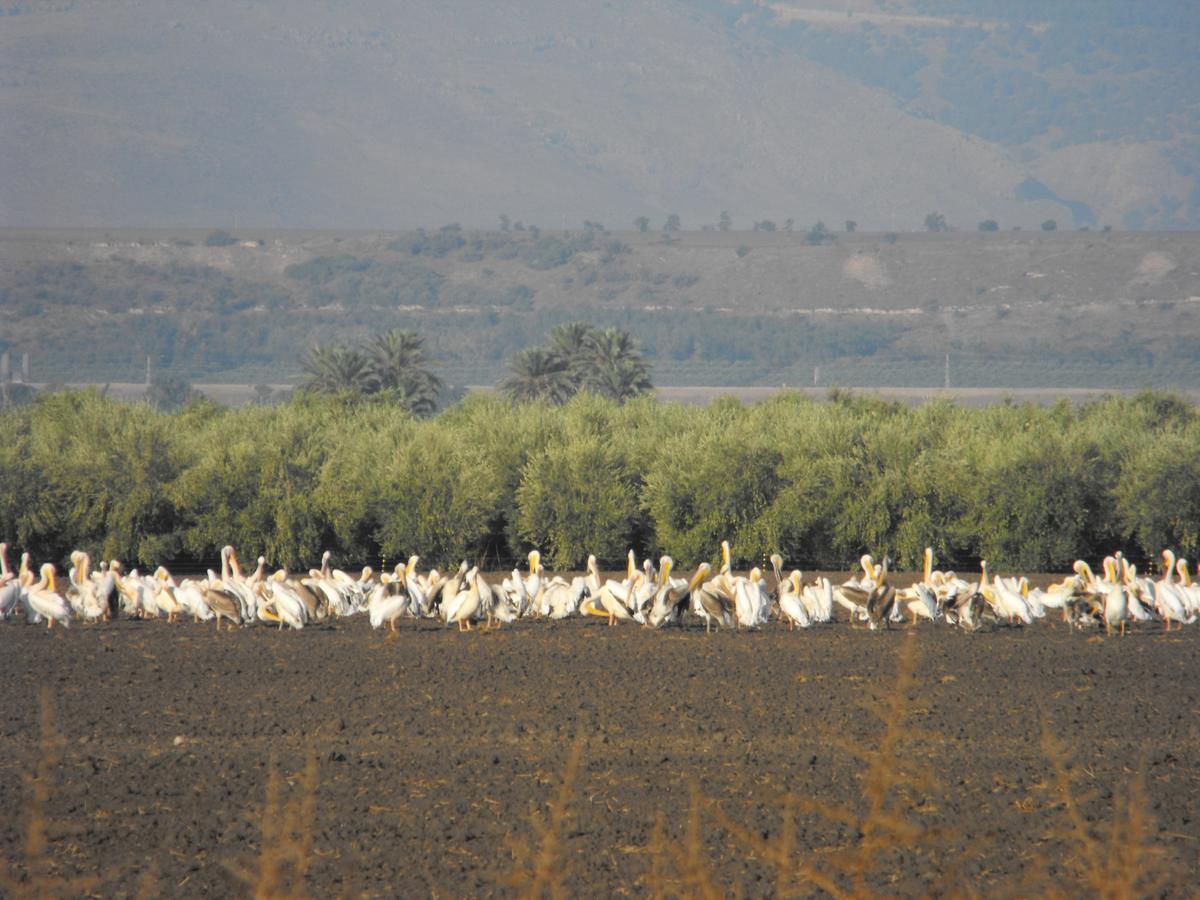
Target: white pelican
82	592
1006	603
10	588
708	600
463	606
1116	600
791	603
283	603
560	599
668	603
818	600
165	595
388	602
1168	601
750	600
46	602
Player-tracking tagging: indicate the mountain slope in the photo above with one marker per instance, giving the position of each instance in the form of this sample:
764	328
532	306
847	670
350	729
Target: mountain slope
381	115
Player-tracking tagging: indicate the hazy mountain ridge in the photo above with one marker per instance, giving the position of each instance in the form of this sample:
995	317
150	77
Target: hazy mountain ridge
1024	309
365	115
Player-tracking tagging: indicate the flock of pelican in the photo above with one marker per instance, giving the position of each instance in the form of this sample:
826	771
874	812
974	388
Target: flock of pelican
651	597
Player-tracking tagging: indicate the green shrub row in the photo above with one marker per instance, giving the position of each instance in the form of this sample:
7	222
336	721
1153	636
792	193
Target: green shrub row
821	482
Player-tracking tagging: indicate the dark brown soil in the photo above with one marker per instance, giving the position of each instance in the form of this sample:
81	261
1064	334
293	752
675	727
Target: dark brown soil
433	746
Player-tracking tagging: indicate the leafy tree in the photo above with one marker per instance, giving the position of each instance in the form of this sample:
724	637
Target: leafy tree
505	222
935	221
578	497
851	226
725	222
219	237
538	373
672	223
641	223
14	393
764	225
742	250
170	392
1050	225
989	225
818	234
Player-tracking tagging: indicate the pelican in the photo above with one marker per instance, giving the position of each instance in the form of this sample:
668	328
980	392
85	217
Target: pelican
1004	601
11	589
46	602
283	603
82	592
463	606
669	600
818	600
791	603
388	602
750	599
1168	601
708	602
560	599
1116	599
164	594
223	602
881	599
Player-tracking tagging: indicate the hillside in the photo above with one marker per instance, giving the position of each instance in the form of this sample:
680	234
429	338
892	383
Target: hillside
379	115
1013	309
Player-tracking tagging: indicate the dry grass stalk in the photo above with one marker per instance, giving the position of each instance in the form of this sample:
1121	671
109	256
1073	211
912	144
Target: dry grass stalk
882	827
542	872
285	853
34	875
1122	863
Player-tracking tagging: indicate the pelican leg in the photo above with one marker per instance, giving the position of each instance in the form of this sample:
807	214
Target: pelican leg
1122	628
49	622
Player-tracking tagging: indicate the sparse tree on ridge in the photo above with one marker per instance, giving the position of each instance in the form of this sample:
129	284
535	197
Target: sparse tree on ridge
641	223
935	221
725	222
673	223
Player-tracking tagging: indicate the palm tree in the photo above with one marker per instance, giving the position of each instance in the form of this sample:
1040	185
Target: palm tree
334	369
415	392
397	356
621	379
573	342
615	368
538	374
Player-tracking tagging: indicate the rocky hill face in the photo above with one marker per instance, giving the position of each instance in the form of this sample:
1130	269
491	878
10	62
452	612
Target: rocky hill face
373	114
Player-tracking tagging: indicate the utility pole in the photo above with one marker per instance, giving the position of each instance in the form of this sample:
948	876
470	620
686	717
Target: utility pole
5	372
25	368
147	371
947	385
816	376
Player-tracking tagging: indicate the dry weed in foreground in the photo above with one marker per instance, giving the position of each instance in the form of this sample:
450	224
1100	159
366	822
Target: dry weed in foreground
1122	863
287	836
844	872
37	878
541	872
